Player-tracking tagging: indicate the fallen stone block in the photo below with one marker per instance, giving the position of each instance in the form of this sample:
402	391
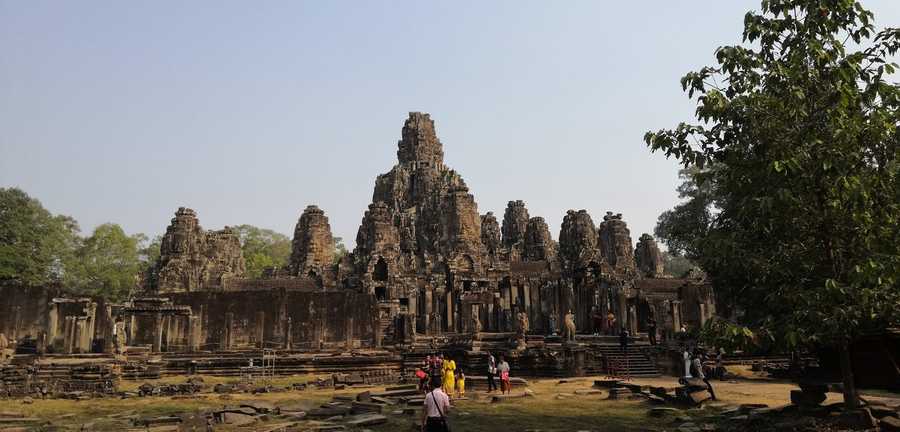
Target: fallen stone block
365	407
858	419
807	399
663	411
619	393
238	419
328	412
889	424
588	392
155	421
365	396
367	420
607	383
262	407
385	401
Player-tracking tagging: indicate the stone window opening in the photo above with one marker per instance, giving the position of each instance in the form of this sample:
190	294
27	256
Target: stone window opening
380	273
381	293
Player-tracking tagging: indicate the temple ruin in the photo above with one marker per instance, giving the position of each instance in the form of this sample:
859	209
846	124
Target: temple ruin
429	272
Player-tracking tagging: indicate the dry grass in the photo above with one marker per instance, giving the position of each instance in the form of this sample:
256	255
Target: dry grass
554	407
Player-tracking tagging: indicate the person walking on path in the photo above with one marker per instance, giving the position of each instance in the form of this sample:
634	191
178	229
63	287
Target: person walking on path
698	366
491	372
623	340
651	330
437	404
503	369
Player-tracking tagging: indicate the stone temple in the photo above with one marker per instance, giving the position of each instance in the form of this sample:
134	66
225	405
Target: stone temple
429	272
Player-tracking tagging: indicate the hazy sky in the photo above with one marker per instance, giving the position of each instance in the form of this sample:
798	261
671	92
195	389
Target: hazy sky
249	111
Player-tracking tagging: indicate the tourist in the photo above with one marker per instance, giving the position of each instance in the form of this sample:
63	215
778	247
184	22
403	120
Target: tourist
611	322
686	356
597	319
422	373
460	383
651	330
623	340
491	372
437	404
720	364
449	378
503	369
698	366
436	371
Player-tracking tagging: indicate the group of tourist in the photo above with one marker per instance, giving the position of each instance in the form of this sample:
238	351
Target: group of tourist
439	376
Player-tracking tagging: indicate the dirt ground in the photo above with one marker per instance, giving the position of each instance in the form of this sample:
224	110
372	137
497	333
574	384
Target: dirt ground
553	406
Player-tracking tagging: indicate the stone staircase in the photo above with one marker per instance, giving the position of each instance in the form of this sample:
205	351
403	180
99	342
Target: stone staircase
636	362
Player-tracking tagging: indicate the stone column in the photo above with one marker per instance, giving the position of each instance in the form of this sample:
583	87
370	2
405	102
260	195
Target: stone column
702	313
260	329
193	333
622	318
428	310
604	307
53	320
288	334
348	333
451	324
229	325
632	320
676	315
157	332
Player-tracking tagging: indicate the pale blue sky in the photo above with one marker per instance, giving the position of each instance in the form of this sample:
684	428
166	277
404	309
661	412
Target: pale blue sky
122	111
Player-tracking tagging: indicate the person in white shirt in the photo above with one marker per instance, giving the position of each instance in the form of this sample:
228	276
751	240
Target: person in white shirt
687	363
491	373
437	404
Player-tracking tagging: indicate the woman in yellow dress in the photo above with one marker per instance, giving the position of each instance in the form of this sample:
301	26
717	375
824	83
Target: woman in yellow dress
449	377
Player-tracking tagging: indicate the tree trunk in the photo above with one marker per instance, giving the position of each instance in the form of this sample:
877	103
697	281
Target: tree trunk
851	398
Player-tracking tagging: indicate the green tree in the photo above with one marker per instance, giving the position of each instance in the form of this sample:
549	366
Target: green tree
35	246
107	263
677	265
803	133
340	250
263	248
682	228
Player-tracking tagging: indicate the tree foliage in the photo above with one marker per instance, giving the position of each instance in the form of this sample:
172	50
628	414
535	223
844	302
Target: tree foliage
35	246
263	248
682	228
803	133
107	263
677	265
340	250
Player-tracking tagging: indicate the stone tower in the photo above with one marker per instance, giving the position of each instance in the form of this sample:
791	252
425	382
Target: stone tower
312	250
578	240
648	257
615	243
539	246
515	221
192	259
